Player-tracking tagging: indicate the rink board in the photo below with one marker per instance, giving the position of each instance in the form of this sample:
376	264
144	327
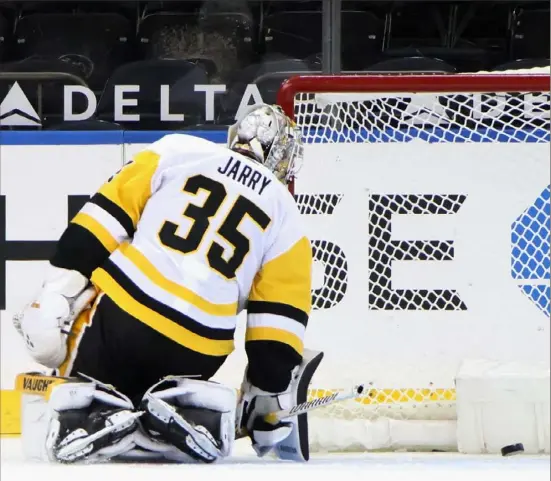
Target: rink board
496	266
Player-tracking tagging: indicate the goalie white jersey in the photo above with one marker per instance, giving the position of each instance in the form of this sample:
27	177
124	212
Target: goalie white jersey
187	235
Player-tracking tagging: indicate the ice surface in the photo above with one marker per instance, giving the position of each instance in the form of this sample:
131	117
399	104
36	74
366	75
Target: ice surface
245	465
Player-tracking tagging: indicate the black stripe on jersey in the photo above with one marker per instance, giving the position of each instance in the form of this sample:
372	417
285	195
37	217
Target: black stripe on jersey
271	364
78	249
161	358
181	319
118	213
278	308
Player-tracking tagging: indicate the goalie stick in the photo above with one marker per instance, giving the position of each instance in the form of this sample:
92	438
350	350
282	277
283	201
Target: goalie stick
305	407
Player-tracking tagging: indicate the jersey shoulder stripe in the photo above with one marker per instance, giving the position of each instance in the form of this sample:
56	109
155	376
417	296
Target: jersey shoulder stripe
131	187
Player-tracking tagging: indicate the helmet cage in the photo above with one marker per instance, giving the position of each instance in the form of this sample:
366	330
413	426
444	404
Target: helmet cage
284	155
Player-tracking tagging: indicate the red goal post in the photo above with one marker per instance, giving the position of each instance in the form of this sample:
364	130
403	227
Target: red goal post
386	83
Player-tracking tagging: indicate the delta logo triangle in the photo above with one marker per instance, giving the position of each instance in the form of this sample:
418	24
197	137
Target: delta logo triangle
17	111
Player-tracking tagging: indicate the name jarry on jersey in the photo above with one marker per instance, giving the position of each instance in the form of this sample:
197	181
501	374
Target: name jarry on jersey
245	175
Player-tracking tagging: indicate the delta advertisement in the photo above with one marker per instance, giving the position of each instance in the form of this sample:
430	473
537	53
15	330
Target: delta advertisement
16	110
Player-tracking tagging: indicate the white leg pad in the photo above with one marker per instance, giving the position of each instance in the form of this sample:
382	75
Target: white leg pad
43	397
191	393
35	418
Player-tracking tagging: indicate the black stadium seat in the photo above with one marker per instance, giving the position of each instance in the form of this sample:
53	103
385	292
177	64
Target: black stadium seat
527	63
362	39
530	33
224	39
293	34
150	75
91	124
299	35
411	64
268	77
3	35
424	29
416	25
272	64
480	35
94	43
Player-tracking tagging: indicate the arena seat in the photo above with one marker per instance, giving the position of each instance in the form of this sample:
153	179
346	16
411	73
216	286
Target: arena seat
268	75
4	29
91	124
293	34
525	63
530	33
93	42
470	36
418	30
225	39
301	37
150	75
362	39
416	25
412	64
479	35
272	64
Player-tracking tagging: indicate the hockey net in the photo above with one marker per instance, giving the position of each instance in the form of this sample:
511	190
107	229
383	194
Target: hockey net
382	109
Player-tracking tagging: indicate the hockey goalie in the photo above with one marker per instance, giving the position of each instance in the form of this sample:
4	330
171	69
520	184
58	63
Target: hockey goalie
138	308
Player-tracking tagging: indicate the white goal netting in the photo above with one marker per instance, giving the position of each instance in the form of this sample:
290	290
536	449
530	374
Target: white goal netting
414	110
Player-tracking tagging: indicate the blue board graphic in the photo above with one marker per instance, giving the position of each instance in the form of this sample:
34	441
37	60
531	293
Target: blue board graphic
530	250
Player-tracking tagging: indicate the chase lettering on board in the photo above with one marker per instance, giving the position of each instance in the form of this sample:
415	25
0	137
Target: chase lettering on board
27	250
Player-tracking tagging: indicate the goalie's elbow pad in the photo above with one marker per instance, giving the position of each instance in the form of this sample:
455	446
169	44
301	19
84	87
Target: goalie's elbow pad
44	322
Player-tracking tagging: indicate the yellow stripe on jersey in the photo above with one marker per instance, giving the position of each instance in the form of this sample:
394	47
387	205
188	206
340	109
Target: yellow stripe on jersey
287	279
97	230
273	334
131	187
149	270
156	321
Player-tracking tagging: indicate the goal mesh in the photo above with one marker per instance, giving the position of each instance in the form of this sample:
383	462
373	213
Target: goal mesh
435	109
427	117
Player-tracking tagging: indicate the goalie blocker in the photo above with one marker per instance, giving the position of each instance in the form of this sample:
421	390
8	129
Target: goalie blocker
288	438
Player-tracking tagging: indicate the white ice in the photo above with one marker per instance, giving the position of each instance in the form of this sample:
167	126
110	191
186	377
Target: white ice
245	466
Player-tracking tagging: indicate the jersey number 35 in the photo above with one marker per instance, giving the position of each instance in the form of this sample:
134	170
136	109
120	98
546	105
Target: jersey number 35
229	229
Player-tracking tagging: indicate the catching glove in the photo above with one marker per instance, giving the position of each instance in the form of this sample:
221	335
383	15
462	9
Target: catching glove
46	321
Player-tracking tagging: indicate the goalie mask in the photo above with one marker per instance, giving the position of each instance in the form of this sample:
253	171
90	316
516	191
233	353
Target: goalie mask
267	135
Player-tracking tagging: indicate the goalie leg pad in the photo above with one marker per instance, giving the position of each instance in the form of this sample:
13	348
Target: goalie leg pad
88	421
196	417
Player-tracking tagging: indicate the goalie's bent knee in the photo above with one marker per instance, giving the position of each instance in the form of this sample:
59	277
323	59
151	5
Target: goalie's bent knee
73	419
196	417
